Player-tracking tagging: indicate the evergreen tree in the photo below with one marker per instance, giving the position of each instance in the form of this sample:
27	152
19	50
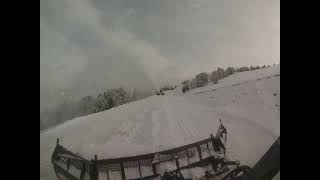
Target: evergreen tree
193	83
122	95
201	79
110	103
101	103
221	73
186	86
229	71
214	77
86	106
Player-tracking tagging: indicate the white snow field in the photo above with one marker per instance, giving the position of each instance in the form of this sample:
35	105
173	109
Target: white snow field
248	104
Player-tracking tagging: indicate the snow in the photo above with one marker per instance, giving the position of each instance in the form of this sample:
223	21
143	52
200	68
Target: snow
193	173
245	102
277	176
167	166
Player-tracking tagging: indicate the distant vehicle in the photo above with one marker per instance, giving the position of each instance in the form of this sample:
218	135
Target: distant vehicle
159	93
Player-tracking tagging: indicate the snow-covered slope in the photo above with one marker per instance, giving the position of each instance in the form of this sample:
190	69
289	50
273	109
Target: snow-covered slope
248	104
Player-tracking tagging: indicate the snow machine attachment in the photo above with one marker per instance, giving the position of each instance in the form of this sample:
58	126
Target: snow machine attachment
68	165
221	139
71	166
172	175
240	173
222	132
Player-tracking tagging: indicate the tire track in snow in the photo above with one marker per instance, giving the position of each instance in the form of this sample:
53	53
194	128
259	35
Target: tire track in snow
155	116
194	118
162	131
184	129
186	132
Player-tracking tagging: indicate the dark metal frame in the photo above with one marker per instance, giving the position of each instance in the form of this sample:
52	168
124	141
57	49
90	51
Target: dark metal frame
265	169
61	155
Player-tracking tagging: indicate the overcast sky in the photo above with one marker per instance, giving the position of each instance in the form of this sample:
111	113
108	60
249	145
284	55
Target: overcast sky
89	45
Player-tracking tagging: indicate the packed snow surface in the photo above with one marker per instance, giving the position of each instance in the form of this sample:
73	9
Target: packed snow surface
248	104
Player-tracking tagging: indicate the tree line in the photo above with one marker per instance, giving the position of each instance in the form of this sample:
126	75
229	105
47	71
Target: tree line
203	78
69	108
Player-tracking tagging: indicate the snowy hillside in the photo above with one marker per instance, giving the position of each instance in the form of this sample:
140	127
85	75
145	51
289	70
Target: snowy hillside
248	104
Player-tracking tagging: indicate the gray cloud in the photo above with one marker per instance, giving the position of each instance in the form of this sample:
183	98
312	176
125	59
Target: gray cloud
87	46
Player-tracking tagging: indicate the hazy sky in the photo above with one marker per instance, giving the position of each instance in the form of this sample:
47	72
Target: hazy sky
90	45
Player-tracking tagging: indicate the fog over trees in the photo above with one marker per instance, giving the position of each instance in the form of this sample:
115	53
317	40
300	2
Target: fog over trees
88	47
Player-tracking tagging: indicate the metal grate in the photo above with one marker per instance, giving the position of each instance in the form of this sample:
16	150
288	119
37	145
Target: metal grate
114	167
204	147
146	162
76	163
182	154
131	164
141	162
166	157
